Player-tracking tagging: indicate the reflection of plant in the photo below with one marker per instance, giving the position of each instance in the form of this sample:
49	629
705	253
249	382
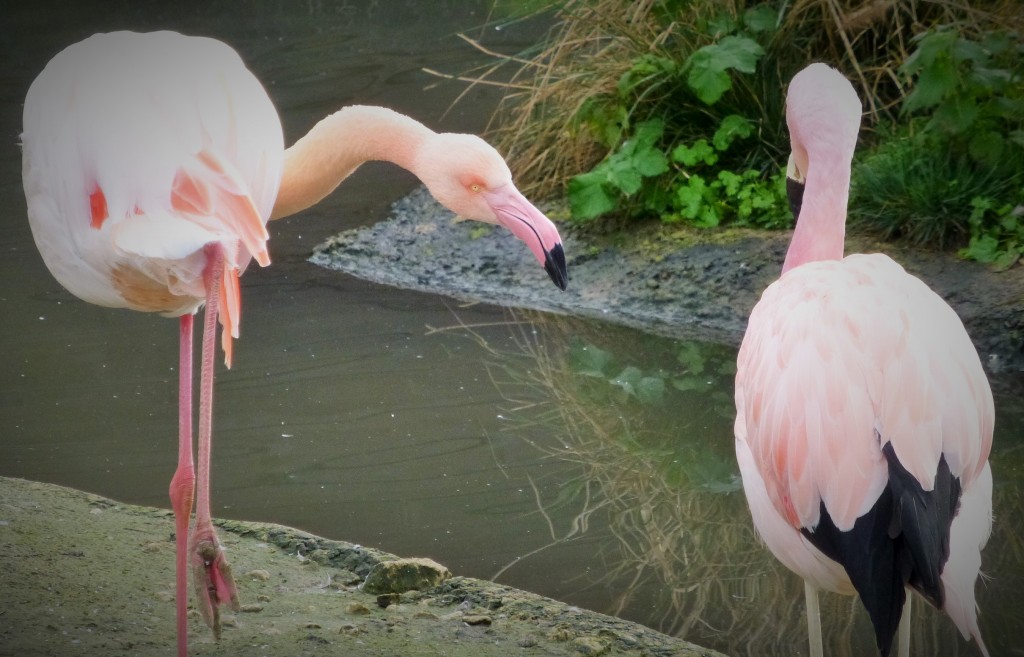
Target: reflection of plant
668	499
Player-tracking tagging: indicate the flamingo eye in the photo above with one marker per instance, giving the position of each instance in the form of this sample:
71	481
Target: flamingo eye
475	187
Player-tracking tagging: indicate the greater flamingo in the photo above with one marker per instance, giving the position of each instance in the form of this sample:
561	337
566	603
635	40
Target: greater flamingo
863	416
151	164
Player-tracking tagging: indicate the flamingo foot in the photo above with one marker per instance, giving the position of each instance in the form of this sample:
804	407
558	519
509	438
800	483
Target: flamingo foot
211	576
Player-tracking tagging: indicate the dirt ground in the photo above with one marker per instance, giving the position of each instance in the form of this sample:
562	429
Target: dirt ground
84	575
676	282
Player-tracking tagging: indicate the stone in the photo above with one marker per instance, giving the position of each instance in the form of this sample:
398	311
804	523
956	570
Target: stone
401	575
589	645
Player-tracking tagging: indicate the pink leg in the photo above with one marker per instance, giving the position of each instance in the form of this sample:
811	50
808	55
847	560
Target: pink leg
183	483
211	572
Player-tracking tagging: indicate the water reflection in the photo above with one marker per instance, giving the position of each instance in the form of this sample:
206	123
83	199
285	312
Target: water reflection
655	470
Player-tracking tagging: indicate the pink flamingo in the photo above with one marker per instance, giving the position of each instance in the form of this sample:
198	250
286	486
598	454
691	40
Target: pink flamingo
864	418
151	164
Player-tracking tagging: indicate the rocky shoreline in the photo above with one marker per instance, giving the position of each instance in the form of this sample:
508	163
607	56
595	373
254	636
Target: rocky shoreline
673	282
84	575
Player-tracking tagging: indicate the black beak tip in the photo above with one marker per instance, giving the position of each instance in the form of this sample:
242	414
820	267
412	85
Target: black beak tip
554	265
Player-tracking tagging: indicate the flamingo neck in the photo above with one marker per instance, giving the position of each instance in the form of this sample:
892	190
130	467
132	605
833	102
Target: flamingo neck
821	227
336	146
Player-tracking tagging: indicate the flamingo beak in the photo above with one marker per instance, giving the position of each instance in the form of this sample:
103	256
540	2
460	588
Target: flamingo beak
530	225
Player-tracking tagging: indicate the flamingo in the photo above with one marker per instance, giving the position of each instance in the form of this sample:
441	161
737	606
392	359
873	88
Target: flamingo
151	165
863	416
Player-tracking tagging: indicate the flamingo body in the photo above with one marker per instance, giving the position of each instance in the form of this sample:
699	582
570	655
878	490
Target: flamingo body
864	417
150	122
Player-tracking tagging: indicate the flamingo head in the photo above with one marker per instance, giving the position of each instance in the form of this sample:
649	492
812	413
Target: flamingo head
466	175
823	114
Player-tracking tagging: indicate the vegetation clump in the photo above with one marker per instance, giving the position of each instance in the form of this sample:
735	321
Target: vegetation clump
675	109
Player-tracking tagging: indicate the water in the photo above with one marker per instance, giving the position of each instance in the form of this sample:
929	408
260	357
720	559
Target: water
538	452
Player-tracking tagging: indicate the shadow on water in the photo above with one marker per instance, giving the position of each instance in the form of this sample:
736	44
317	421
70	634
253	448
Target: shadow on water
648	424
575	459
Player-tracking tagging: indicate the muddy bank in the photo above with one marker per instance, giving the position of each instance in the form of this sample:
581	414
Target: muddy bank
673	282
84	575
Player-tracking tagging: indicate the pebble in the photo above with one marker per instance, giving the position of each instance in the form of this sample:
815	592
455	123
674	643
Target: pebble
258	574
251	608
357	609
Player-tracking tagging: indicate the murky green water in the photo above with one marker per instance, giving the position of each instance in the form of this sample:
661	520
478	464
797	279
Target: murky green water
575	459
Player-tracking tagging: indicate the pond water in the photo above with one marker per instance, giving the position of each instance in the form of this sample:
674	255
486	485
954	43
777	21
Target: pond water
576	459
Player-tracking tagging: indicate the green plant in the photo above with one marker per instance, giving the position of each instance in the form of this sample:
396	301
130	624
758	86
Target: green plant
997	233
971	90
678	165
952	170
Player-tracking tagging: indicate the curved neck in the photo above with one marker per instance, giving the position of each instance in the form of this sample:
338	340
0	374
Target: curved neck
821	227
317	163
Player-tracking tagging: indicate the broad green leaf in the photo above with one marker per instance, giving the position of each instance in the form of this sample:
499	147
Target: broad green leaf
708	82
968	50
709	216
690	197
730	182
708	76
648	132
588	197
732	127
983	248
621	173
646	68
651	162
721	24
987	146
930	46
690	156
738	52
762	18
933	85
956	114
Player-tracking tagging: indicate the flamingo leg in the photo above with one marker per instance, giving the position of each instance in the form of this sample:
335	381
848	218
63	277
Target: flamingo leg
904	628
813	620
211	573
182	486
